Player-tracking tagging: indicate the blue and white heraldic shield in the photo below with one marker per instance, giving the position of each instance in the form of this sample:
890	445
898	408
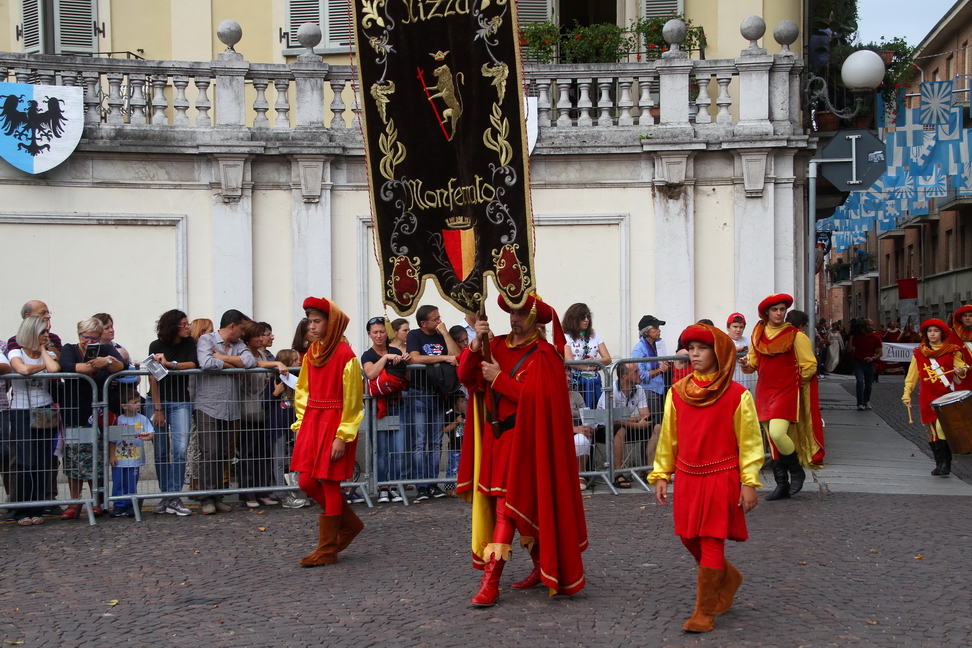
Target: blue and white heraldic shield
40	125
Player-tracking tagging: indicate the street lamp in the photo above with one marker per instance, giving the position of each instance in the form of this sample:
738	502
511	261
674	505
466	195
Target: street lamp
862	72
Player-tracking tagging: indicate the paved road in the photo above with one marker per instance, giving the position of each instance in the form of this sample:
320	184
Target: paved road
832	567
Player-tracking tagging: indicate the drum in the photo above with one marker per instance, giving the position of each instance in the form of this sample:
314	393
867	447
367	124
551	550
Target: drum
955	415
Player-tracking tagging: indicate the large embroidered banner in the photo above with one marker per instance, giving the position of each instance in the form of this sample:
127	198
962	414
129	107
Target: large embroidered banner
446	148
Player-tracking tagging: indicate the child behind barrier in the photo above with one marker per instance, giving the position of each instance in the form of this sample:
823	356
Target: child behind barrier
128	456
280	416
455	429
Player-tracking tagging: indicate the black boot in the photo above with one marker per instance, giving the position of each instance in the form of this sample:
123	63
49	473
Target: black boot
797	474
939	460
946	458
782	477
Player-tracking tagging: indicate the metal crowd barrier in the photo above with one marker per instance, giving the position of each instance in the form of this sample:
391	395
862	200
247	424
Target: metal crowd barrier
48	444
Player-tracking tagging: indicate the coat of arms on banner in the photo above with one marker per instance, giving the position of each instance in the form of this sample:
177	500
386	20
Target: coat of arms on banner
40	125
446	146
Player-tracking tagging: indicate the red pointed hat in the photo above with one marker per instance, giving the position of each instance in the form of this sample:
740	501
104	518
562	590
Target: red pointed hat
946	331
534	304
318	303
772	300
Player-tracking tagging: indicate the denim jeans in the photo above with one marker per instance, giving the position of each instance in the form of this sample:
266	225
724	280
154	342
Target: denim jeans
124	481
390	447
864	373
32	460
427	412
171	442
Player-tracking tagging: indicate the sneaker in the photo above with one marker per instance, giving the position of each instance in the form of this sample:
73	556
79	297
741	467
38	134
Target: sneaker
867	406
252	504
161	506
384	497
354	497
267	501
436	492
396	496
291	502
176	507
423	493
208	508
860	408
223	507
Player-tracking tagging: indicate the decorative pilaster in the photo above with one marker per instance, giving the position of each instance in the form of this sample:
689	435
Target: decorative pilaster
311	224
232	235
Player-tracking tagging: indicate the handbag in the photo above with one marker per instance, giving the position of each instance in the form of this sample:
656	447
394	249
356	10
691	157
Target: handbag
43	417
442	378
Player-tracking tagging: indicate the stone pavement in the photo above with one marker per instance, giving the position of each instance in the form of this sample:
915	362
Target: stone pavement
843	565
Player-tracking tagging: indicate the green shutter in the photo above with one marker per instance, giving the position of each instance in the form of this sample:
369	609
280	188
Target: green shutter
74	22
30	23
338	21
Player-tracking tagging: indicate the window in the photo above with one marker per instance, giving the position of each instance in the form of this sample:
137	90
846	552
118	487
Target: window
59	26
333	17
655	8
949	68
950	250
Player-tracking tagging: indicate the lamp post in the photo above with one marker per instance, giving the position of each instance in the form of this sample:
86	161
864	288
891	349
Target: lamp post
862	72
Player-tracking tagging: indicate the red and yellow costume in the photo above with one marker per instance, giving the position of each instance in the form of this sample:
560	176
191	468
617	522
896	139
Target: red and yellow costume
524	479
328	402
710	439
962	336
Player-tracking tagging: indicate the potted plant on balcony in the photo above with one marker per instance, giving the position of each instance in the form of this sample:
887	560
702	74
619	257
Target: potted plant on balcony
899	61
598	43
540	41
653	44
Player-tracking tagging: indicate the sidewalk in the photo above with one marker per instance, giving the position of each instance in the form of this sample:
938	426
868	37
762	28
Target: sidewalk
866	455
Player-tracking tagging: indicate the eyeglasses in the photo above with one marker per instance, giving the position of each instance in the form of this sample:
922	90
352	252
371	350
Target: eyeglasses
44	313
185	325
586	317
91	339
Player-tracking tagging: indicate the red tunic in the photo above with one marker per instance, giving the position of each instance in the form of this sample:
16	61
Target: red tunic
778	385
707	483
929	389
963	338
322	416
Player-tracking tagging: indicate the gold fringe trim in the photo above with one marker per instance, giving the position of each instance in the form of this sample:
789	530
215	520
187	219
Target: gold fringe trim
528	542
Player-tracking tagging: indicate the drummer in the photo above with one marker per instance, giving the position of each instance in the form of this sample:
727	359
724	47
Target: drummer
938	365
962	331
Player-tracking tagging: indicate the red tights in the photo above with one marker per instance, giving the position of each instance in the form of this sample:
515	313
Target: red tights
505	526
708	552
323	491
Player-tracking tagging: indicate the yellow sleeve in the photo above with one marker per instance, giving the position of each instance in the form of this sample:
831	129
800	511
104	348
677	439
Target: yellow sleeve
911	380
300	395
753	360
352	412
803	349
958	360
667	445
750	440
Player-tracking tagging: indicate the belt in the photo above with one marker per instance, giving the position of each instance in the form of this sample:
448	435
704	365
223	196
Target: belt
324	404
502	426
729	463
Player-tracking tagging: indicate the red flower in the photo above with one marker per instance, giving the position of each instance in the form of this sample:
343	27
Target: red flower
577	36
897	86
664	49
546	42
639	57
651	45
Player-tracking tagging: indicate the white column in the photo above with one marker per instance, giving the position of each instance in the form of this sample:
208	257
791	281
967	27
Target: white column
232	234
674	202
789	229
311	218
757	246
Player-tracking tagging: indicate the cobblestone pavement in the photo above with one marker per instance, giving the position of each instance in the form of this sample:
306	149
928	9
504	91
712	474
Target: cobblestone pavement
823	569
886	403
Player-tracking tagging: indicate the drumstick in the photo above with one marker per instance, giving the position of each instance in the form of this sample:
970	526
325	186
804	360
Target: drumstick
911	421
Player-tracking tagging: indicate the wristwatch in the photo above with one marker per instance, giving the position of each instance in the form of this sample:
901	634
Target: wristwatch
109	359
175	365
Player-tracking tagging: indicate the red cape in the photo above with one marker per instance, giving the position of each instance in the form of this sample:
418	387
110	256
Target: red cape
541	489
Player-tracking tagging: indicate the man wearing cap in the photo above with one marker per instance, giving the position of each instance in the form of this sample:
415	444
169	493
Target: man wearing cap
329	406
962	331
650	345
735	327
519	468
784	357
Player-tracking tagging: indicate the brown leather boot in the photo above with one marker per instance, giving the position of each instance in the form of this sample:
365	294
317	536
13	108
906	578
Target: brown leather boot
326	552
534	578
489	585
727	592
351	525
706	599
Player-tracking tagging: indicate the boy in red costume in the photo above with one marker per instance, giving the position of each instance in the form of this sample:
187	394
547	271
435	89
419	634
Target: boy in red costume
710	438
962	331
936	364
328	403
785	394
518	466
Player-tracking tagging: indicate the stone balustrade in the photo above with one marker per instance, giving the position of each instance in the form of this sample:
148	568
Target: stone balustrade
672	98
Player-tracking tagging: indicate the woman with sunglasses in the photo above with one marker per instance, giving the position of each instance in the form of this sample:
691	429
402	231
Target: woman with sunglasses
584	344
91	358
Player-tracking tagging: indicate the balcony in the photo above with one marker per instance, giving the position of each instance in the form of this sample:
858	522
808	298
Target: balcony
864	267
839	274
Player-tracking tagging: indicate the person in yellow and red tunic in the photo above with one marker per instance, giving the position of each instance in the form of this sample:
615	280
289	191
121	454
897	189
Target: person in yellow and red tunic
936	364
328	403
785	395
521	473
962	332
710	439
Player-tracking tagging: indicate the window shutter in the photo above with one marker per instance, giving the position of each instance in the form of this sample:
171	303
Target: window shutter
532	11
74	22
30	23
338	24
661	8
300	12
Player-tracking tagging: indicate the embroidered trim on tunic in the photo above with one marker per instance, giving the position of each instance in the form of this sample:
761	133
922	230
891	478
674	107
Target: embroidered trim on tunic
728	463
324	404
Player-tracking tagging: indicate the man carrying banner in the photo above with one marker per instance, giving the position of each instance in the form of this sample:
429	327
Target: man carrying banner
520	470
962	331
